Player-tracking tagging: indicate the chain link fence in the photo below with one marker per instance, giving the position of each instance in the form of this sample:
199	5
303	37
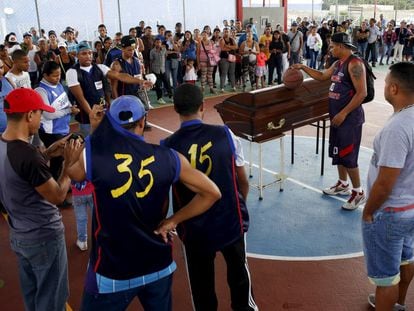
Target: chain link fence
118	15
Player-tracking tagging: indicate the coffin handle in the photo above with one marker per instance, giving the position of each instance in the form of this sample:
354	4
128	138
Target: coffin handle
271	126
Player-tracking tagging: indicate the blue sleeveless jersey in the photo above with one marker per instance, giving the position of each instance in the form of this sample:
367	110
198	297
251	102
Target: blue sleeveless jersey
341	92
210	149
132	180
59	100
88	82
5	89
133	70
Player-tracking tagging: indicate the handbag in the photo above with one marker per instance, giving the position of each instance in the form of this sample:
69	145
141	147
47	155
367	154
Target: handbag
231	58
212	56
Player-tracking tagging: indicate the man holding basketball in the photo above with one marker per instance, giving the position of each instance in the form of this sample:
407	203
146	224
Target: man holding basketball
346	94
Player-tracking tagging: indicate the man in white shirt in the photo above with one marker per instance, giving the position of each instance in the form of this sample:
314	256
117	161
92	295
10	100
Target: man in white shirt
18	73
374	34
31	50
85	82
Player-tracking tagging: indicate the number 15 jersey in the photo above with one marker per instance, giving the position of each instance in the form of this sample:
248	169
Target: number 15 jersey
210	149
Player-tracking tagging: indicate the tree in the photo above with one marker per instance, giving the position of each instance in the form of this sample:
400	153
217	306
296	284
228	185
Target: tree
398	4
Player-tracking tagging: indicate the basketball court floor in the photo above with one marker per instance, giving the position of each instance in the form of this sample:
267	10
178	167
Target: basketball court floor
305	253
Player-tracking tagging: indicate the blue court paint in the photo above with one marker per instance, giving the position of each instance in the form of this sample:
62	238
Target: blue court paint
301	222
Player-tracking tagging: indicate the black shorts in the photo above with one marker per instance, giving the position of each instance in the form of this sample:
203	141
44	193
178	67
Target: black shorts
344	143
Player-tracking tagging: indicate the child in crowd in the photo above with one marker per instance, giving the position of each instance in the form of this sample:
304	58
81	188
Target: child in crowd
82	196
190	74
261	66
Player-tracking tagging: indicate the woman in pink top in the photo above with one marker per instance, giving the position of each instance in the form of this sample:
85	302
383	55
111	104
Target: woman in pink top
205	50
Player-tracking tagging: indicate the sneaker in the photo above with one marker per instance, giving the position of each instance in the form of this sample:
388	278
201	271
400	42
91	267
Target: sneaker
354	201
83	246
234	89
150	106
222	90
161	101
338	188
397	306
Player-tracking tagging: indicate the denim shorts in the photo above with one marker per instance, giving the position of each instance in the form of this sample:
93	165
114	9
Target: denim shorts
388	244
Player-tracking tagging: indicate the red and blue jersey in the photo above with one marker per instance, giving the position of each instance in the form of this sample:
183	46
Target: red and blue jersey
341	92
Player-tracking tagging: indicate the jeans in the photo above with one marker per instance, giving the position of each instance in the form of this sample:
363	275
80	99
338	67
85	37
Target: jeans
388	243
162	81
80	205
362	48
155	296
294	58
275	62
43	273
371	51
387	48
171	70
313	58
227	69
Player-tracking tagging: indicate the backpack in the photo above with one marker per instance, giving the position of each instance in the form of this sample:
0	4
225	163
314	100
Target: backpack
369	76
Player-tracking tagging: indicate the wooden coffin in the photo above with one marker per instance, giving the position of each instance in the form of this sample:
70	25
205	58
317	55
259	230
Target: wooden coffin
265	114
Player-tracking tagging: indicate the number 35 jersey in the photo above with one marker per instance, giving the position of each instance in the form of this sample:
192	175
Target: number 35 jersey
210	149
132	180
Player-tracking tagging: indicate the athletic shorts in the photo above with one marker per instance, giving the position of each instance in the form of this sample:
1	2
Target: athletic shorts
344	145
388	244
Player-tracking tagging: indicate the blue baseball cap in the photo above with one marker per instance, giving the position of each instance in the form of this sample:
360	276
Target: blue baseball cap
127	109
83	45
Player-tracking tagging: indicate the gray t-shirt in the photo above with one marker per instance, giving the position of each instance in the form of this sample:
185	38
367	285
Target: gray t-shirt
22	169
394	148
295	43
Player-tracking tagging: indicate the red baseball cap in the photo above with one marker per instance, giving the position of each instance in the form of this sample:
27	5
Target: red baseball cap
25	100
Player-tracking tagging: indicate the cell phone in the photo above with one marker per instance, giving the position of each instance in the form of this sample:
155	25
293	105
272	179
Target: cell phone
76	136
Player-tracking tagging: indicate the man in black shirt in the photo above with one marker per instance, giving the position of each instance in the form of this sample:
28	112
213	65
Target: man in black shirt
30	194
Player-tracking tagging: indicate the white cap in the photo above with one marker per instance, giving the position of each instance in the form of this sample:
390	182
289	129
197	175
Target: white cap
62	44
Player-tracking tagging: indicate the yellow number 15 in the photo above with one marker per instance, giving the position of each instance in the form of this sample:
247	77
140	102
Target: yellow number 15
202	158
124	168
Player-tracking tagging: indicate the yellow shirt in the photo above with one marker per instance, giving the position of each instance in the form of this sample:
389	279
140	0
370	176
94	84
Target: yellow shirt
264	39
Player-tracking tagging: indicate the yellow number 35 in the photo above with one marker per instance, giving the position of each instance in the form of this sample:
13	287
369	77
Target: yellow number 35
124	168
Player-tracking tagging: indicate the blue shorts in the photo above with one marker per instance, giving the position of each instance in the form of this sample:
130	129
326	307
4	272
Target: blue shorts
344	145
388	244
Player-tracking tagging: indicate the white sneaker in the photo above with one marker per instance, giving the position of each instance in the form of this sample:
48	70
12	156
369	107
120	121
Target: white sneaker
161	101
83	246
355	200
397	306
150	106
338	188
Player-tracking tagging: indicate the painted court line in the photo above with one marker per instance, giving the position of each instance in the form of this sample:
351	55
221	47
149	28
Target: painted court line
315	258
265	169
289	258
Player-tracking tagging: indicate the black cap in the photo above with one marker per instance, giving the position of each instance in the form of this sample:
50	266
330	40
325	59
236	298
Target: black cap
69	29
343	38
128	41
27	34
51	32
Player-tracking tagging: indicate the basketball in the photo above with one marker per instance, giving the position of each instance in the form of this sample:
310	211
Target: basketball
292	78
